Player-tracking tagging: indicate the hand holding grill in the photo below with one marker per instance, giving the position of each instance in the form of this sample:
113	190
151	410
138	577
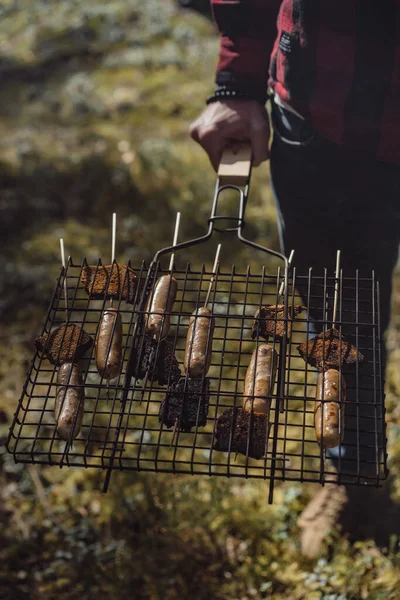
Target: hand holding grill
223	122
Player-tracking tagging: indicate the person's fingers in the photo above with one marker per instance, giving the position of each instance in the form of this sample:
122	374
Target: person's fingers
259	136
212	142
210	139
194	130
215	155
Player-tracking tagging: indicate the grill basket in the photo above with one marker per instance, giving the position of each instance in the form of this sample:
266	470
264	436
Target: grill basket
121	426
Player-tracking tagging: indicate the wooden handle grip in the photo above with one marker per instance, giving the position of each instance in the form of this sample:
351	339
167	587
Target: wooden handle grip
235	165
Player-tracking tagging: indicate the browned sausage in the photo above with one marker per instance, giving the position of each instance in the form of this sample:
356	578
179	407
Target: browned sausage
160	306
260	379
198	349
108	347
70	400
329	415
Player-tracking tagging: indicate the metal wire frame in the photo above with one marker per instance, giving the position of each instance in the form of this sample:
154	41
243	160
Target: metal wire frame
129	436
121	428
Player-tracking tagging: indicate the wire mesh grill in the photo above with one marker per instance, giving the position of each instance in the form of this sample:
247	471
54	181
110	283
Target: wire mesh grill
121	427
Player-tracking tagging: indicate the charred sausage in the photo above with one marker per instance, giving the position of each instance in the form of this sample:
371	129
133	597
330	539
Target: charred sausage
198	349
70	400
108	347
160	306
329	415
260	379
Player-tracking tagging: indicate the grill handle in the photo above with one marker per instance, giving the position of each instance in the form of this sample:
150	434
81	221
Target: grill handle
235	165
233	173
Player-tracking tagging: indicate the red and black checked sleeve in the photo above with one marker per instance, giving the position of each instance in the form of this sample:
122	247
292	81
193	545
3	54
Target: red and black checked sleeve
248	31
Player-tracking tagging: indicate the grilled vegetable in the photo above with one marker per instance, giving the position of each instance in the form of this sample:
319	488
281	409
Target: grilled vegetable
269	321
110	281
166	370
239	430
186	403
329	350
66	344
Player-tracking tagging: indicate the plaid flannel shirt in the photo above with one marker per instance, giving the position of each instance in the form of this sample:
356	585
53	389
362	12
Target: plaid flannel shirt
336	62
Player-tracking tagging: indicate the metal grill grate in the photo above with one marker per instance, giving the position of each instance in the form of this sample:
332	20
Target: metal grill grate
121	427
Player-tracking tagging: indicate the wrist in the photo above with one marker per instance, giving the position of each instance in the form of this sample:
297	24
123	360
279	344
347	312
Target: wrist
236	92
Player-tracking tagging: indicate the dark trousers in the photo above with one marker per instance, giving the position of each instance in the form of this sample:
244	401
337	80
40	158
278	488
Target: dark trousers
331	198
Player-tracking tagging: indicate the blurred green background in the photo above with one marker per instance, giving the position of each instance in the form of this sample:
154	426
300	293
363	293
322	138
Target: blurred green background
96	101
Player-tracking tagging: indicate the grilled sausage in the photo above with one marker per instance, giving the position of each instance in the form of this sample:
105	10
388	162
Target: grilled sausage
108	347
329	415
70	400
160	306
198	349
260	379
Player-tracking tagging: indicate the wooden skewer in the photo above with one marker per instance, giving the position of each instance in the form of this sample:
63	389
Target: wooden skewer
336	296
212	278
65	278
113	236
282	286
175	240
113	242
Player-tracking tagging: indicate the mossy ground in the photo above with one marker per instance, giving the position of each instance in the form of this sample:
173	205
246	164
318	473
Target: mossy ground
96	100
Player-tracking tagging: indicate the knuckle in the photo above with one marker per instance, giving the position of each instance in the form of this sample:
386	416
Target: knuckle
212	129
